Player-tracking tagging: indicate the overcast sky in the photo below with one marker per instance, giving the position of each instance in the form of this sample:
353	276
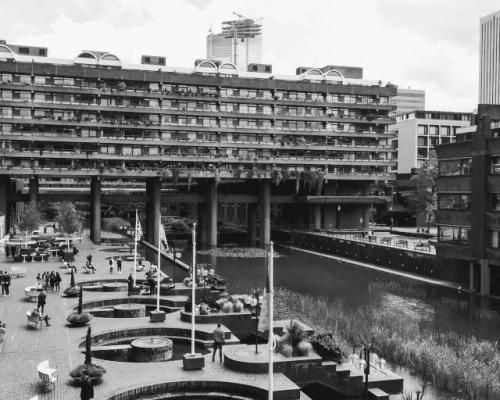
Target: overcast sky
423	44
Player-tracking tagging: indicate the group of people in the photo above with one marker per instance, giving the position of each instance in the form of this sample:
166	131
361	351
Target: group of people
5	282
50	280
118	263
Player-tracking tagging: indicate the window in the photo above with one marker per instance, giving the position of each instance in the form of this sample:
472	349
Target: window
147	60
42	52
453	201
455	234
254	68
455	167
495	201
267	68
495	239
24	50
495	165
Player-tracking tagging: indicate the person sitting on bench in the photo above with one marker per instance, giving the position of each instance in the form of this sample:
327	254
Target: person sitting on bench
41	317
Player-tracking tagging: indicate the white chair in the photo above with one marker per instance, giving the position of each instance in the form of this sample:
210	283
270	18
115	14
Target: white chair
47	375
33	319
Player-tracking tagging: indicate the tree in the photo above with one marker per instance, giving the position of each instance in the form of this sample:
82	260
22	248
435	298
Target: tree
29	219
88	350
68	219
424	199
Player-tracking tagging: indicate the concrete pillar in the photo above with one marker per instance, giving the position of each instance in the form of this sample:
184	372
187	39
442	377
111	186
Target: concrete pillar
153	193
485	278
202	223
33	186
265	213
212	214
95	207
471	276
317	217
366	217
252	223
4	201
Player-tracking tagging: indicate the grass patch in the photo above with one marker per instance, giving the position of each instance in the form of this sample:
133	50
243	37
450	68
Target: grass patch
461	364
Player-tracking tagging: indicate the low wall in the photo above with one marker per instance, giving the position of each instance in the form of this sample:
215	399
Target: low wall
399	259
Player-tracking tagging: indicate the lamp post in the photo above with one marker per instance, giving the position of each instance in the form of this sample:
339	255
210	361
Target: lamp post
366	351
337	220
254	305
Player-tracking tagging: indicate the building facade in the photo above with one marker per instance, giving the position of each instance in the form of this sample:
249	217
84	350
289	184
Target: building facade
489	59
419	132
408	100
468	188
307	143
240	43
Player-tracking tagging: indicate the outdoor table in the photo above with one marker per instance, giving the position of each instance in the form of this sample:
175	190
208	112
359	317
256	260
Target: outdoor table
24	257
32	255
45	256
53	252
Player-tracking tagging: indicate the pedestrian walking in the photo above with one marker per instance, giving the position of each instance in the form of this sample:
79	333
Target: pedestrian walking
57	282
111	262
130	281
86	387
119	264
218	341
5	283
42	299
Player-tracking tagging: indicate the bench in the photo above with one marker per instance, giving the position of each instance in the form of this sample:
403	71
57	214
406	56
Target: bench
47	375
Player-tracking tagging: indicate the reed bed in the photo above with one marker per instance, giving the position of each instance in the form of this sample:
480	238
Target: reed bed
461	364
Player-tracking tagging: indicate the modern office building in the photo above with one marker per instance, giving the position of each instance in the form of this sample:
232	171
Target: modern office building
408	100
417	134
468	189
310	144
489	59
239	43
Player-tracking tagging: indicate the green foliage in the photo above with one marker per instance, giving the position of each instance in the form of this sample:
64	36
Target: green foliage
68	218
79	319
451	361
80	301
72	291
95	372
29	219
325	345
114	224
304	348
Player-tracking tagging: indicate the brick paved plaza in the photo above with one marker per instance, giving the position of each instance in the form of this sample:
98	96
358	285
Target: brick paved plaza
24	347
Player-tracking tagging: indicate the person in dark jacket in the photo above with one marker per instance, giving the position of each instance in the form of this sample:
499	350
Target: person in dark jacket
86	387
42	297
5	283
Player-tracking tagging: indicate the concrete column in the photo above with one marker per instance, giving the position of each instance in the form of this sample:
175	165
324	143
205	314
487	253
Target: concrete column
33	186
265	213
471	276
366	217
4	201
202	223
212	214
153	193
252	223
317	217
95	207
485	278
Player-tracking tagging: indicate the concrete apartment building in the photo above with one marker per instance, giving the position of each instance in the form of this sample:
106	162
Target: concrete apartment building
408	100
417	133
200	137
468	187
239	43
489	59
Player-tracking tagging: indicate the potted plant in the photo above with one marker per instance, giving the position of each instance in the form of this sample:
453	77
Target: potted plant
79	318
94	371
73	290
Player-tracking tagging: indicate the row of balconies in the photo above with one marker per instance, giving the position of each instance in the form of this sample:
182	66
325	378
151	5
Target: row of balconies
207	157
183	94
134	124
61	138
328	117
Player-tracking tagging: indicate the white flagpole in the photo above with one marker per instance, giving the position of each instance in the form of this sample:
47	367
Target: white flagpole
193	290
158	270
135	248
271	344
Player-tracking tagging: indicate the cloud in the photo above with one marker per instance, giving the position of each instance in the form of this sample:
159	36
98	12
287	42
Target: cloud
201	4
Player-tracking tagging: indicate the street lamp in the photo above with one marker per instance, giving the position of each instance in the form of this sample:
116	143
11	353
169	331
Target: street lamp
337	221
254	304
366	351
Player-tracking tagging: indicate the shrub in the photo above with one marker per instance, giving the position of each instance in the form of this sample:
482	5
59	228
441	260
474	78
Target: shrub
72	291
79	319
238	306
187	305
227	307
203	309
94	371
286	350
325	345
304	348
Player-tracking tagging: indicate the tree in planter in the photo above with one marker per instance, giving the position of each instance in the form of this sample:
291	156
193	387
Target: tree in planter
72	290
68	219
79	318
94	371
29	220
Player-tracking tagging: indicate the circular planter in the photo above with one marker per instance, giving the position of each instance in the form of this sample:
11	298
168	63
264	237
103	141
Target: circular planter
129	310
151	349
114	287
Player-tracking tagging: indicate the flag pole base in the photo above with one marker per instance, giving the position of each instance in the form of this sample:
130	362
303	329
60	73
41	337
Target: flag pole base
193	361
